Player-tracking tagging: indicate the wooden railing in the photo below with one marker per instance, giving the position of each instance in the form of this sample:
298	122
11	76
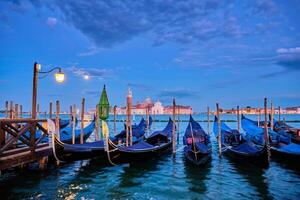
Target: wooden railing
13	133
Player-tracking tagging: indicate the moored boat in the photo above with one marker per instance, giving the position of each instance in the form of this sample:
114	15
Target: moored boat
282	127
280	144
70	152
159	142
236	147
197	143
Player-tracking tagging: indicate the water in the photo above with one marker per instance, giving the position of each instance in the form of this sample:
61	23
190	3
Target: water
163	178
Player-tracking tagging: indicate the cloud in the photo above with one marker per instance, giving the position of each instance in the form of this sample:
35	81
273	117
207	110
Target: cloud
289	58
51	21
288	50
108	23
90	52
92	72
178	93
263	7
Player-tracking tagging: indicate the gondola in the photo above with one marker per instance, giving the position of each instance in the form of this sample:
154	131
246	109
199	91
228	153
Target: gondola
65	132
197	149
237	148
71	152
282	127
281	146
159	142
138	131
64	123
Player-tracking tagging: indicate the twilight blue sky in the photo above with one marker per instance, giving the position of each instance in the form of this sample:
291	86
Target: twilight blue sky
198	51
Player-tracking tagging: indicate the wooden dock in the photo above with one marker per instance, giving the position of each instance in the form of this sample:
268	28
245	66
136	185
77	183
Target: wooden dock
19	145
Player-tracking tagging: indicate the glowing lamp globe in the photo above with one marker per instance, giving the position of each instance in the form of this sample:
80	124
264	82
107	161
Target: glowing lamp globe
60	77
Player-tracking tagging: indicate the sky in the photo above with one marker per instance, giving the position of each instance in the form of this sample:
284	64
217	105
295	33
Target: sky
198	52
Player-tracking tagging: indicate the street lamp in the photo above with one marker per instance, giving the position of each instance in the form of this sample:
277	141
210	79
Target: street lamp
59	77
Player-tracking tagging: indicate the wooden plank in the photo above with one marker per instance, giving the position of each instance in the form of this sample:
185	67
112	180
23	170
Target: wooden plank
24	120
20	150
24	158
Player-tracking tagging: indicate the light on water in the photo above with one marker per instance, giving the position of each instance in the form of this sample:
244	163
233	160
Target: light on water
162	178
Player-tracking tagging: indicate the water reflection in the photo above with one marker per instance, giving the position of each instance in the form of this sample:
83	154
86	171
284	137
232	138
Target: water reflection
196	177
255	176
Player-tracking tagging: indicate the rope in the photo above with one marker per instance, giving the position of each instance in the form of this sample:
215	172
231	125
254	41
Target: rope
193	141
53	148
108	151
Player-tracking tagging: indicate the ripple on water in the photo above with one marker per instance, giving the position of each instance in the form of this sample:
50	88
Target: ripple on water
163	178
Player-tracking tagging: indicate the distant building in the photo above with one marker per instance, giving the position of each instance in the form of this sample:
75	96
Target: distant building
154	108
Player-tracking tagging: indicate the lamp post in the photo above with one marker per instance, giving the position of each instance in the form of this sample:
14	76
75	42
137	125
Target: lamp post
59	77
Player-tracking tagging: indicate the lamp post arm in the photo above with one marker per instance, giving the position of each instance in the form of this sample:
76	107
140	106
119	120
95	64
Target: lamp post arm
51	70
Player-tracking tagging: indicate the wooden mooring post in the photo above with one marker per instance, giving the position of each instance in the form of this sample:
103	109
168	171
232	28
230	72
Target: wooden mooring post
6	109
258	117
279	113
82	120
50	110
174	128
38	110
21	112
74	124
178	123
219	130
238	118
115	114
266	133
97	138
71	115
208	121
16	111
57	120
11	112
272	116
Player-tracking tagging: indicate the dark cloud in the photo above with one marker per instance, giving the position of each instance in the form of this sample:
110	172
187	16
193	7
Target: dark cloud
273	74
289	58
108	23
178	93
264	7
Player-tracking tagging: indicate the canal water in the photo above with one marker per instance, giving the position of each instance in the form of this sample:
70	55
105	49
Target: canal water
162	178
